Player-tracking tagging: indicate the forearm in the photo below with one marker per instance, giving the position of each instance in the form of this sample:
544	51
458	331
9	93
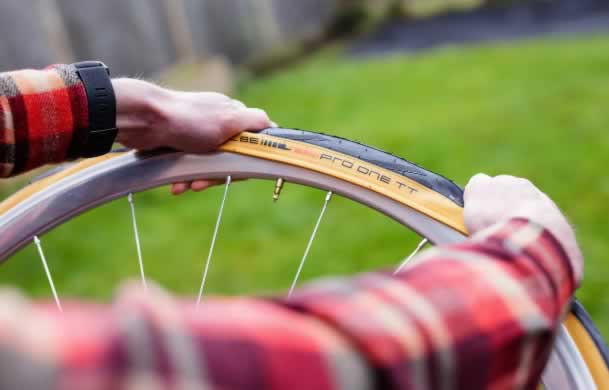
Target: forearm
467	316
44	117
150	340
479	314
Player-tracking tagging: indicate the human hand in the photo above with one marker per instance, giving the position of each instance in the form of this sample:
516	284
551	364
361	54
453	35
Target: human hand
489	200
150	117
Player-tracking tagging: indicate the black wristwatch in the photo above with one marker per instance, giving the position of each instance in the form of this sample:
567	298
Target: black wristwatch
102	130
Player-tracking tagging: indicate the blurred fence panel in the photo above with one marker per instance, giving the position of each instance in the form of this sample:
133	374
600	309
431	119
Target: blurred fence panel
180	28
24	41
132	36
230	25
197	19
304	20
145	36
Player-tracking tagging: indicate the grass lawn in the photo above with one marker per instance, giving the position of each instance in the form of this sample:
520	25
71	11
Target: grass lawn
536	109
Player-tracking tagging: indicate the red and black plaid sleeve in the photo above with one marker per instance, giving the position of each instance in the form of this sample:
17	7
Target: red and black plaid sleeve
478	315
473	316
40	111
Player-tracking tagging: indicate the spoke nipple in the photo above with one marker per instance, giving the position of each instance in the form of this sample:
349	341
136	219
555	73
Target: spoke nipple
130	198
278	188
329	196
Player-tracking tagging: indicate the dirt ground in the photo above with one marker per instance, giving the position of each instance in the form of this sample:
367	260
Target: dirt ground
536	18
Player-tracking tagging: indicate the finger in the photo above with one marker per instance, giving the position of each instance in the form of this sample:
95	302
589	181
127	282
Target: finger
520	184
478	178
179	188
254	119
510	180
212	182
476	182
238	105
200	185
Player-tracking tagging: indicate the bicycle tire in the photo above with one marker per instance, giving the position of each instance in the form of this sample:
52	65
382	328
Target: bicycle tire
426	202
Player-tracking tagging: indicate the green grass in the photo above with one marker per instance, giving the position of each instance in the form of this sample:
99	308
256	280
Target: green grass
535	109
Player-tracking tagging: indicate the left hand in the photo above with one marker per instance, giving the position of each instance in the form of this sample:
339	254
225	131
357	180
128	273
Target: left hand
151	117
490	200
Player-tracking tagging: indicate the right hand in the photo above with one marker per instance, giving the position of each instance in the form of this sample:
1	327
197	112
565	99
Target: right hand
490	200
151	117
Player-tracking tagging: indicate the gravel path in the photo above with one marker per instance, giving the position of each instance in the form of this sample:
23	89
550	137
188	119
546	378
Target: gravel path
520	21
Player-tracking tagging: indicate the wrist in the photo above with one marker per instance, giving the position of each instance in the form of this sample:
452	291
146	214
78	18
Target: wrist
558	226
565	235
561	231
140	112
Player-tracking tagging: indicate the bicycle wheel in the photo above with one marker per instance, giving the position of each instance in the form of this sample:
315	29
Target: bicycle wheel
423	201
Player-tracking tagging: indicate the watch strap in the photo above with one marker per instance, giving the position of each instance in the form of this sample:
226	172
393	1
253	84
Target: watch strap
102	130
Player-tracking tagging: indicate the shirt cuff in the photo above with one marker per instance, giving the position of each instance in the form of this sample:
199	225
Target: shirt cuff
41	113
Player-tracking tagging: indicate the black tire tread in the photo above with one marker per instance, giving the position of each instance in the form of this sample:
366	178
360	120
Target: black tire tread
377	157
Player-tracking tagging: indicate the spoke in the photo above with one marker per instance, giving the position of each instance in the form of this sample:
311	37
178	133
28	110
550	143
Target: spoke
306	253
413	254
46	270
213	241
137	240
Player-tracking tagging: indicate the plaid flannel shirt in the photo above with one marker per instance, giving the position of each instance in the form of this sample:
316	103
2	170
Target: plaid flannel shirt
477	315
42	113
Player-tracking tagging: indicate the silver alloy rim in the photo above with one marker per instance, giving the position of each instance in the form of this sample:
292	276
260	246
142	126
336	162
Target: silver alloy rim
134	172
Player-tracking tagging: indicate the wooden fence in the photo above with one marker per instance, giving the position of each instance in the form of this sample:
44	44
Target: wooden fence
145	36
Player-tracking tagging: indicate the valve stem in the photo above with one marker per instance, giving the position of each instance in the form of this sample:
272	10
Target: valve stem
278	188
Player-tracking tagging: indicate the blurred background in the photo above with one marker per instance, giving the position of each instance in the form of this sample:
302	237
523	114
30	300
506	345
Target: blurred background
458	86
